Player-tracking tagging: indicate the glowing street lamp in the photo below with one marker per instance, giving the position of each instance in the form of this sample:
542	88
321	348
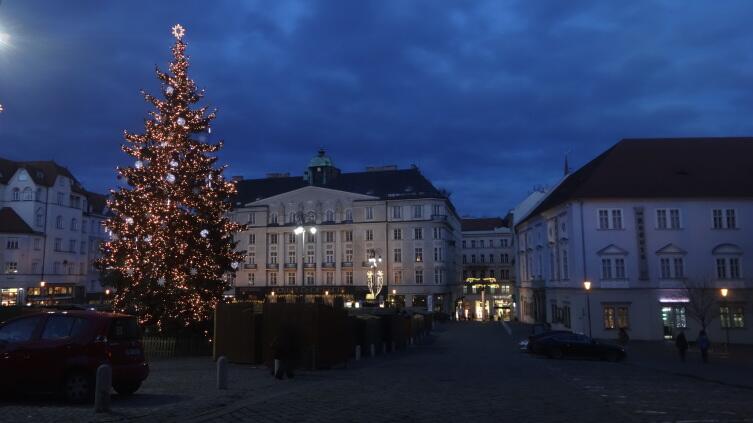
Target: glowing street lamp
728	323
587	286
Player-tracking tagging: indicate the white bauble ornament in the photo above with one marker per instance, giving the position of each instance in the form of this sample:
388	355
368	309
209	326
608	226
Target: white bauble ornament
173	164
161	281
209	130
148	238
139	164
170	178
181	121
163	144
129	220
204	233
194	272
169	90
234	265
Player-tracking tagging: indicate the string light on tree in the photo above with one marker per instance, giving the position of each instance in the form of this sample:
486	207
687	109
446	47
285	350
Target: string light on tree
172	247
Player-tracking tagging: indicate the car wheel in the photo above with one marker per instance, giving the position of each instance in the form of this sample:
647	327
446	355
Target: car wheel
612	356
78	387
126	388
555	353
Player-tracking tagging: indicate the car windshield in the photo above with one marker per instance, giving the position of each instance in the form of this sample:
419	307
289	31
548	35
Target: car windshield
124	328
19	330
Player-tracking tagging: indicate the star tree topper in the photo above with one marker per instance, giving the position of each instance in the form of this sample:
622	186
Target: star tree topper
179	31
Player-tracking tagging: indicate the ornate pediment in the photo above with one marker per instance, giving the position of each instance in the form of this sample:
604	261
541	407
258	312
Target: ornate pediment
671	249
612	250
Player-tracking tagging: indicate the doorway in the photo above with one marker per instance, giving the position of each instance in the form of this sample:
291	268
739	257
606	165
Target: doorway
674	318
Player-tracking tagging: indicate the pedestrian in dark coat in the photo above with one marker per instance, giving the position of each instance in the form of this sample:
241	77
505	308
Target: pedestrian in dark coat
703	345
682	345
622	337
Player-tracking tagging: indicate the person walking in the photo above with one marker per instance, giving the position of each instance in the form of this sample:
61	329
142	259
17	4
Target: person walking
622	337
703	344
682	345
285	350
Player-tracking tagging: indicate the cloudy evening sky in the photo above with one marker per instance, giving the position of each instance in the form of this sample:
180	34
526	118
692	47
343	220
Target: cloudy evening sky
486	97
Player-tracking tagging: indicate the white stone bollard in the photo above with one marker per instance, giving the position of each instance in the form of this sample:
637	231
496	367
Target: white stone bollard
222	372
102	389
277	366
358	352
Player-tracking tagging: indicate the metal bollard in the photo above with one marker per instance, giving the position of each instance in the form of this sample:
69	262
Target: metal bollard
102	389
222	372
373	350
358	352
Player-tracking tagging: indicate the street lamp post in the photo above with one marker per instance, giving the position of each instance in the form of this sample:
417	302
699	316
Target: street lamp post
42	286
587	286
300	230
724	292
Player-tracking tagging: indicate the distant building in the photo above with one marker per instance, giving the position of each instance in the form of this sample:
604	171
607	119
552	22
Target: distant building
488	273
50	231
652	225
385	212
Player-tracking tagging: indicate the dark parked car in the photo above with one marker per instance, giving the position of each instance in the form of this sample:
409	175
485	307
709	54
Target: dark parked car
575	345
533	345
60	351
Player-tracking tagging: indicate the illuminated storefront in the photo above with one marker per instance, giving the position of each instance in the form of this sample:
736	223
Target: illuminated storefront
487	299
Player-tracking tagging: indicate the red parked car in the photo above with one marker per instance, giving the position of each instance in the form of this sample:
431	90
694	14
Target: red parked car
61	350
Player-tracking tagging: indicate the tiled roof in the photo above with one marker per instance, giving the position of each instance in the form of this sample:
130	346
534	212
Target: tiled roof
12	223
662	168
387	184
484	224
42	172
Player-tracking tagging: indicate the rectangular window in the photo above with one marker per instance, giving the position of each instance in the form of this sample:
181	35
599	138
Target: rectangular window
309	278
679	267
473	258
61	199
369	213
273	278
463	244
665	269
251	239
273	239
369	235
473	244
12	243
616	316
83	248
437	254
721	269
291	256
397	277
565	266
251	256
503	243
437	233
734	268
481	244
348	236
436	210
397	212
491	258
291	278
310	255
329	255
419	255
606	268
58	244
617	219
251	279
619	268
273	257
349	278
397	234
349	255
330	278
731	221
738	316
717	218
661	219
482	258
437	276
37	243
724	317
72	245
398	255
418	233
465	259
603	219
11	267
419	276
329	236
252	218
674	218
418	212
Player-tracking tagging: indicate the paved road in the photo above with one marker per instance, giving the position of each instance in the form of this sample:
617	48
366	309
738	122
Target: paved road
467	372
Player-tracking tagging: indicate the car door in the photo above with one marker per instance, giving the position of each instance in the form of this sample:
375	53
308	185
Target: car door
580	345
16	338
55	349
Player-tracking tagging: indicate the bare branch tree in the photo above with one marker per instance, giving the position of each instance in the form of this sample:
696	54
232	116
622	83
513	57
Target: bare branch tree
702	300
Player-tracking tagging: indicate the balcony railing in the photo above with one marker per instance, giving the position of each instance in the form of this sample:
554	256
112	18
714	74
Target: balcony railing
249	266
291	265
329	265
439	217
347	264
309	265
272	265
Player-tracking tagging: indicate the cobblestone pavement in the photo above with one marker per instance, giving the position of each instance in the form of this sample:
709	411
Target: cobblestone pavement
465	372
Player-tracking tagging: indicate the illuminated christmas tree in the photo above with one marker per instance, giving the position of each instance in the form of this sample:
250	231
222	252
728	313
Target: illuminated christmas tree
172	245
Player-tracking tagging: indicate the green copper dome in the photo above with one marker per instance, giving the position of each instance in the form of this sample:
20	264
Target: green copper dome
320	160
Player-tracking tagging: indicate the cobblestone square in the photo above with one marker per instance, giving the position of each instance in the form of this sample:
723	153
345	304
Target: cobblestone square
463	372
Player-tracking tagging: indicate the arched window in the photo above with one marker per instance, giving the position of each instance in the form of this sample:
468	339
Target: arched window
27	194
330	216
16	194
348	215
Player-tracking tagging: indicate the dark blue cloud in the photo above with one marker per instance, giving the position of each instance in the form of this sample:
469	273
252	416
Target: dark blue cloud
485	96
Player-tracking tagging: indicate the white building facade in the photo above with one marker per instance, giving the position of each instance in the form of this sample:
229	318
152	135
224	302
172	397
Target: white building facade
651	231
391	214
50	231
488	273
